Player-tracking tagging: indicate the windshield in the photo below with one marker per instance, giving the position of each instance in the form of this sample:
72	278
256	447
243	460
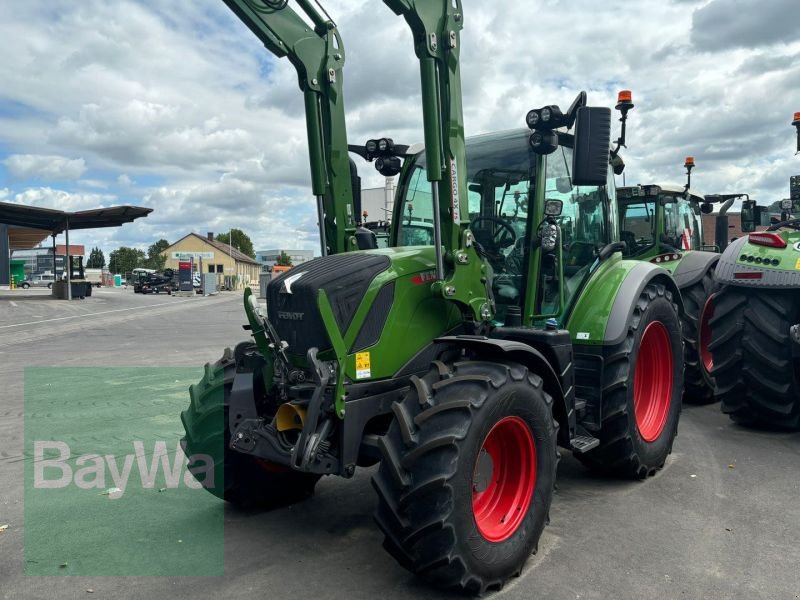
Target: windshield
500	167
506	222
638	218
682	228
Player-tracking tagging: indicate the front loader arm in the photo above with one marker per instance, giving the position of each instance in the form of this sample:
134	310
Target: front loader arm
318	57
462	275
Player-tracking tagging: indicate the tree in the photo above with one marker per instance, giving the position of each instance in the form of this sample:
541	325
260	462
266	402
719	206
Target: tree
155	259
96	259
284	260
241	241
124	260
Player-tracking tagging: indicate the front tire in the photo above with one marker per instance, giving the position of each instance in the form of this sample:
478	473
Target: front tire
757	379
642	387
240	479
479	430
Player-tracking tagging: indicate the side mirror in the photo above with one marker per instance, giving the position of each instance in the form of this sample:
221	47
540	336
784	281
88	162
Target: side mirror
592	140
748	216
563	185
553	208
366	239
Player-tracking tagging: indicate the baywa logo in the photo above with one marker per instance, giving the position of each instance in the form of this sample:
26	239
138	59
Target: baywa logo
112	474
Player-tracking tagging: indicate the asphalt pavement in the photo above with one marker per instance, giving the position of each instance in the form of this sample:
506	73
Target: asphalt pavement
722	520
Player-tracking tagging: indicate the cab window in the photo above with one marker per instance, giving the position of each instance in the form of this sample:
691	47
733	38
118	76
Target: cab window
415	225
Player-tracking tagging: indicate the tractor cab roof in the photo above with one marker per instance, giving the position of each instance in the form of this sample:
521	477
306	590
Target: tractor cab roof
641	191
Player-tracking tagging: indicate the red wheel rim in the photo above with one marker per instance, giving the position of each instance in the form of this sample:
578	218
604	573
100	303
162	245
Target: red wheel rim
705	335
652	385
504	479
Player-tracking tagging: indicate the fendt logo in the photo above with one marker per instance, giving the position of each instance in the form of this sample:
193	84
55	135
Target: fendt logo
290	316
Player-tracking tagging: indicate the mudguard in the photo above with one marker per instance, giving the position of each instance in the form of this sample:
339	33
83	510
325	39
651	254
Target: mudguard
693	266
607	302
563	401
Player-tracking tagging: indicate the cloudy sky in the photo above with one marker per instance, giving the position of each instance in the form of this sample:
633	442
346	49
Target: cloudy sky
176	105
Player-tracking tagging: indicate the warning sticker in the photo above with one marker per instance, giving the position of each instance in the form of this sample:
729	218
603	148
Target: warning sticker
582	335
797	265
363	366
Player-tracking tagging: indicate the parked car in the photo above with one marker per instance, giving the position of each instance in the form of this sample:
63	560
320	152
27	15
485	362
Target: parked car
38	281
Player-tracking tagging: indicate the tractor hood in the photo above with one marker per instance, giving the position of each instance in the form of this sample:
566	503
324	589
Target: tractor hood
361	287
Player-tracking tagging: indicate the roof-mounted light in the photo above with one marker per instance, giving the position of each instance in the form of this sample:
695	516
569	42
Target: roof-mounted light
624	100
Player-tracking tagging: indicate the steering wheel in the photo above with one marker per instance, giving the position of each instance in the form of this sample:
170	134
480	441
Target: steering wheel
793	223
503	237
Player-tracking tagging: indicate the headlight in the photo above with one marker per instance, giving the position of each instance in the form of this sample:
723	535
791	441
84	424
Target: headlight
371	146
383	145
545	115
532	119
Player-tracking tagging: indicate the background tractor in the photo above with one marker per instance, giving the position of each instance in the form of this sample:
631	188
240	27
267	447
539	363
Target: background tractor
662	224
501	322
755	336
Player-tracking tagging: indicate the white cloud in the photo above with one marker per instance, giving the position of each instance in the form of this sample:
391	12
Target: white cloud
179	107
46	197
38	166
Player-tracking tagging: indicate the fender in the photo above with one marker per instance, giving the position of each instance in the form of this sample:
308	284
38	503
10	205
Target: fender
606	305
693	266
563	403
625	301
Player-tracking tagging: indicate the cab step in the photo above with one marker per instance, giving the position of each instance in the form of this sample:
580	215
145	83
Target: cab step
584	443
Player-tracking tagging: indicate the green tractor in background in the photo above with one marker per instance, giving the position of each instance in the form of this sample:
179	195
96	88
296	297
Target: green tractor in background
662	225
755	327
501	322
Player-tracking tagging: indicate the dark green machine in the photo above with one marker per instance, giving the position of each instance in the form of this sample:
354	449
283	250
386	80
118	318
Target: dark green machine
500	323
754	328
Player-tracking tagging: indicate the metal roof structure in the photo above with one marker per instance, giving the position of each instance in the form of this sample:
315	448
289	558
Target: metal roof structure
56	221
30	225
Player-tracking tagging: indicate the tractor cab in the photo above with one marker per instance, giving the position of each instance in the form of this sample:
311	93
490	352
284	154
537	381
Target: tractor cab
659	219
519	201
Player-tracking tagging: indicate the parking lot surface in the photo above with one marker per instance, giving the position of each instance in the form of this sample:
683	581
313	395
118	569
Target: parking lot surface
722	520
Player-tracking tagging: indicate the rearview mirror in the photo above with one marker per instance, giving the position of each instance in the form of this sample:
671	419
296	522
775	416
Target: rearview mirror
592	140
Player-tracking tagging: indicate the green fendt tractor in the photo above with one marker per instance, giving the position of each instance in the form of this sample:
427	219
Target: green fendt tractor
662	224
755	330
500	323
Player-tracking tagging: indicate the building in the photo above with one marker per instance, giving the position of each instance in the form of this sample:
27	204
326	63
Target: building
378	202
40	260
233	269
268	258
734	227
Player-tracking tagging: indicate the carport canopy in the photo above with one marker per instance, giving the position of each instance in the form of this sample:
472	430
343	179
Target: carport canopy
31	224
28	226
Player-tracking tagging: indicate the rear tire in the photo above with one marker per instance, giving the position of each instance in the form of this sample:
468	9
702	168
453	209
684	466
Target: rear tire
642	387
240	479
756	377
461	432
698	382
